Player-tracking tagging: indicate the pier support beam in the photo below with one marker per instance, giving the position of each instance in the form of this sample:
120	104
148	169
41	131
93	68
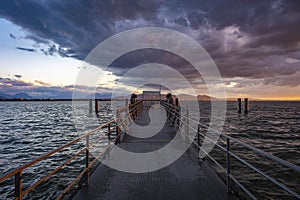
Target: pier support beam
239	105
96	106
90	106
246	105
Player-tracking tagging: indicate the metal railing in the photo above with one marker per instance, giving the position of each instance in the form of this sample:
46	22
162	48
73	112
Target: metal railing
179	119
125	116
131	111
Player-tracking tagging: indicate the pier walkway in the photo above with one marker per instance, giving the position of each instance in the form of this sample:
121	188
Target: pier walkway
186	178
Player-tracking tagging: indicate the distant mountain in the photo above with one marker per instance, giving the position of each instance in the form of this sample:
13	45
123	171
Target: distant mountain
22	95
186	97
16	96
105	95
5	96
205	98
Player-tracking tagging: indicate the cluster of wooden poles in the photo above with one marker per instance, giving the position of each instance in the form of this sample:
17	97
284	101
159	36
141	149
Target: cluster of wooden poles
91	106
246	105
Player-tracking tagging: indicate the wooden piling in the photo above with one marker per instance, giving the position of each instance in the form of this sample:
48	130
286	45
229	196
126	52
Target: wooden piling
176	102
90	106
96	106
239	105
246	105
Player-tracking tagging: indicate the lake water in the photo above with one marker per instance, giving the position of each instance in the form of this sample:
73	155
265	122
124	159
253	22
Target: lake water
31	129
273	126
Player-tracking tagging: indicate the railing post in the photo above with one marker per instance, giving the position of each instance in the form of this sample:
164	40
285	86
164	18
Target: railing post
198	136
187	121
126	112
228	184
178	116
87	160
18	185
118	127
198	140
173	114
108	131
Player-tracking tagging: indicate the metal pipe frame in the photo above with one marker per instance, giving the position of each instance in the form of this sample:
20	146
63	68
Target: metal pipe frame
229	154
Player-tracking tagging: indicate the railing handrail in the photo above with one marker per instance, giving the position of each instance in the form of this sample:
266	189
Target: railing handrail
285	163
30	163
132	109
256	150
252	148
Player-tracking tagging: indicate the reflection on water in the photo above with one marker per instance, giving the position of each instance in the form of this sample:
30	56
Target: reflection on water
30	129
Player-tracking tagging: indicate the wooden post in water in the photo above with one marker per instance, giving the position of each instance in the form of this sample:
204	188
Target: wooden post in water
239	105
96	106
90	106
246	105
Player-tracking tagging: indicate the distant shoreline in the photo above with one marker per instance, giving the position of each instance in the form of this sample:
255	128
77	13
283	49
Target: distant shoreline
52	99
21	99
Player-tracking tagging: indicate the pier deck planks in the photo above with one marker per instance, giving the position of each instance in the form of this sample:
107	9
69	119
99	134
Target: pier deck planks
186	178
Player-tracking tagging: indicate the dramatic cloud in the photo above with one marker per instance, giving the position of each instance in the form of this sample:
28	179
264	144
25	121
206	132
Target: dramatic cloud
7	82
10	87
42	83
249	39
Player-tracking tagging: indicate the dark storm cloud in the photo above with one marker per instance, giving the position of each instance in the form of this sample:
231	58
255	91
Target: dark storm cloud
251	39
144	56
26	49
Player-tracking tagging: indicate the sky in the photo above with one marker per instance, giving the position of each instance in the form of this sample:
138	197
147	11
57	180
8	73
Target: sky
255	44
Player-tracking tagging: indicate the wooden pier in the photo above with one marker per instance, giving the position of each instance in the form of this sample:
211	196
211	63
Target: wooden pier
186	178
